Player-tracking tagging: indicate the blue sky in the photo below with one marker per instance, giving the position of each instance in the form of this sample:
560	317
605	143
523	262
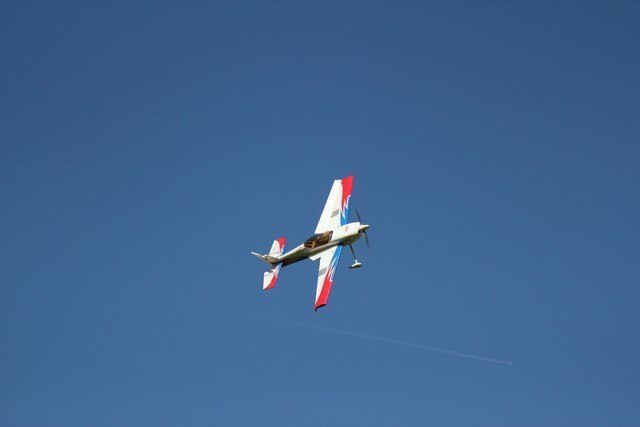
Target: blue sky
145	149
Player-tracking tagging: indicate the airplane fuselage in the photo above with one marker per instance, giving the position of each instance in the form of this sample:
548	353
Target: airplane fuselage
344	235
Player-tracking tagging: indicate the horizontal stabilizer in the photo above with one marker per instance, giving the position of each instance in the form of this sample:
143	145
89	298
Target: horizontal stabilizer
273	259
271	277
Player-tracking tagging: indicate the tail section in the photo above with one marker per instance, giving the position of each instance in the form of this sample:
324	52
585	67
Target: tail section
272	258
271	277
277	248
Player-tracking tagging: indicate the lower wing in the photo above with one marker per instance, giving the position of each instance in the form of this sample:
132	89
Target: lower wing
327	270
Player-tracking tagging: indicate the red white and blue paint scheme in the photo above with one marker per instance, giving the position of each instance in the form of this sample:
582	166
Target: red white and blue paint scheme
332	233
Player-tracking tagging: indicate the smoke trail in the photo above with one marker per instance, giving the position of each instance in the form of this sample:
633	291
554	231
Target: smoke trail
404	343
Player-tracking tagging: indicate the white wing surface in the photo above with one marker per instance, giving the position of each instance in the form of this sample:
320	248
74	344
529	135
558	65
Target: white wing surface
327	270
336	209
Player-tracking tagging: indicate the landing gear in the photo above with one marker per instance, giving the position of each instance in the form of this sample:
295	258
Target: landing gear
356	264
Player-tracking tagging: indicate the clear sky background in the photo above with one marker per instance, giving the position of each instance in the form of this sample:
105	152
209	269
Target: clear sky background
145	149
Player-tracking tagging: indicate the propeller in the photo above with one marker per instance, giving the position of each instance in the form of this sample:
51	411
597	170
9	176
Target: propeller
366	237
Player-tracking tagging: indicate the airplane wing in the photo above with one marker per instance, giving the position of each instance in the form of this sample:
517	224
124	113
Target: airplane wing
336	210
327	270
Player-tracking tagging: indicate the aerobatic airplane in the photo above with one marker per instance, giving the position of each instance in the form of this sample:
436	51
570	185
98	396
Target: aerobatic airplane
332	233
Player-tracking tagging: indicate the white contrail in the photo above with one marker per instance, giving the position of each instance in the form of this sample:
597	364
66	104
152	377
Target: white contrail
405	343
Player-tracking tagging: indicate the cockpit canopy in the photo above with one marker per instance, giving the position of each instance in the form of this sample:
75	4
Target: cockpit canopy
318	240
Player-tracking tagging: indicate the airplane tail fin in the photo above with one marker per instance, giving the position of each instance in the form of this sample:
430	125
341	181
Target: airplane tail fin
272	258
277	247
271	277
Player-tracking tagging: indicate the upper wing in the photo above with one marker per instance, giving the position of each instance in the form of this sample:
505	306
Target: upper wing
336	210
327	270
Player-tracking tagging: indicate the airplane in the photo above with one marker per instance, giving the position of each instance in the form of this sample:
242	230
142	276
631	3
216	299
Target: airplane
332	233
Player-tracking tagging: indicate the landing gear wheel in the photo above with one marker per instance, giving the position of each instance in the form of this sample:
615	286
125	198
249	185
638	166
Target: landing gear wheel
356	265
